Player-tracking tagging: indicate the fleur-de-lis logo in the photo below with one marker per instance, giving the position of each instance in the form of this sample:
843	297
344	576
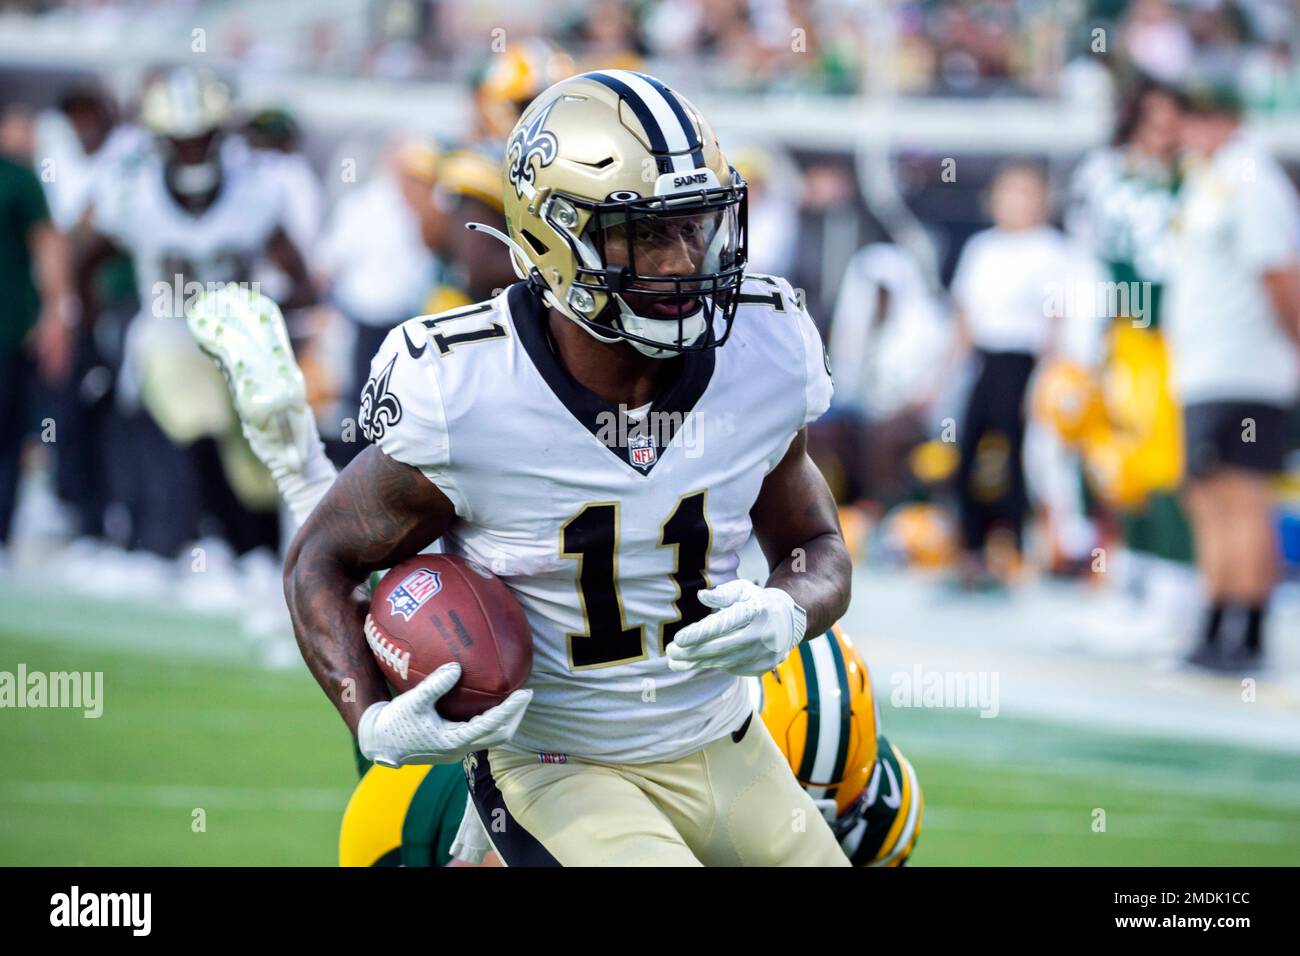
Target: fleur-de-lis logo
470	765
529	142
380	409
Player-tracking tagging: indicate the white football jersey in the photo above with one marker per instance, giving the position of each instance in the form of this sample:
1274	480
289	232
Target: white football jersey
605	530
221	244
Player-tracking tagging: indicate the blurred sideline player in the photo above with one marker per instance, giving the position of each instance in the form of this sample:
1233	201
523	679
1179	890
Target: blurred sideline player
474	266
1233	324
198	208
1125	418
510	81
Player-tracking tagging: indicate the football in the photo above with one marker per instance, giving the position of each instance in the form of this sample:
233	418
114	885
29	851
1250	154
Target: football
433	609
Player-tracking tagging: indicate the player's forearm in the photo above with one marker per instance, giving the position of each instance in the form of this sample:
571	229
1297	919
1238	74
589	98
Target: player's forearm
376	513
328	613
818	575
53	258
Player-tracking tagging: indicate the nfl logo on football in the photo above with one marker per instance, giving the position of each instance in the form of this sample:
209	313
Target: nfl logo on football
641	450
416	588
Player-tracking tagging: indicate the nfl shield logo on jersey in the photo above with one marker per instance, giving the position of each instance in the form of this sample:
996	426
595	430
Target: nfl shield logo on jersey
641	450
416	588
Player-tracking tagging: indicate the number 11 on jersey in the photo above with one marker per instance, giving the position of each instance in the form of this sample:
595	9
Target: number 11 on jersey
591	537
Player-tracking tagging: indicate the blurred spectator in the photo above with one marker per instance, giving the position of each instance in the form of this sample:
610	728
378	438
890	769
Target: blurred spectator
1123	198
773	231
1000	291
1233	323
18	134
372	259
1156	40
887	339
37	312
609	40
79	143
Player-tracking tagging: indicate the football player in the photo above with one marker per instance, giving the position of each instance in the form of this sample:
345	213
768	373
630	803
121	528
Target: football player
416	815
820	709
590	436
473	265
191	210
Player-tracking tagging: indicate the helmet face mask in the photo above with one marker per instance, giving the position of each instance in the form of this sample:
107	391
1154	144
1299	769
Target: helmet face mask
623	210
192	165
669	268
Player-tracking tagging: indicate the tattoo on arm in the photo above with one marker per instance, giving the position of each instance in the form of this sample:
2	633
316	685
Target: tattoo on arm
377	513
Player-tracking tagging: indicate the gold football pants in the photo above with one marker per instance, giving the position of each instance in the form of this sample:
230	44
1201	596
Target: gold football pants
732	803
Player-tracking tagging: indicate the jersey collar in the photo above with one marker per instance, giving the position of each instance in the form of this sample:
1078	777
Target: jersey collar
640	446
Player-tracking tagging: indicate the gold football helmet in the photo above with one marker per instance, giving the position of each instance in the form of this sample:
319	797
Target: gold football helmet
819	708
184	103
187	110
624	213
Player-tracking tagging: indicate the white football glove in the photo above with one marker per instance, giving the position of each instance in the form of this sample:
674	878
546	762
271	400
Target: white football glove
408	729
751	632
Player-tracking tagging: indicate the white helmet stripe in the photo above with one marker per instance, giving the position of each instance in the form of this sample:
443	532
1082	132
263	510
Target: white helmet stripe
828	695
670	126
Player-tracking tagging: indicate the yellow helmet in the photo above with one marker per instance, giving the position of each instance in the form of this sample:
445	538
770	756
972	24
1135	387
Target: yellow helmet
371	833
513	79
921	533
1069	399
1115	471
819	708
934	461
623	211
471	172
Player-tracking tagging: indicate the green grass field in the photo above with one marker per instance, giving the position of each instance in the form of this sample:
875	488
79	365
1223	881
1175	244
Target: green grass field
192	723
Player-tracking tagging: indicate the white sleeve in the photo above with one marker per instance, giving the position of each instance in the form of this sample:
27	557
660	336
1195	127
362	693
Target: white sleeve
402	412
471	843
817	363
1265	213
964	275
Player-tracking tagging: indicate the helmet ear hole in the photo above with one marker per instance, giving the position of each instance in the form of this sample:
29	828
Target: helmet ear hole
539	247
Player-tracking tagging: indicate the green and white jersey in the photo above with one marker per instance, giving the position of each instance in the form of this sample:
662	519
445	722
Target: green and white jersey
1120	208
